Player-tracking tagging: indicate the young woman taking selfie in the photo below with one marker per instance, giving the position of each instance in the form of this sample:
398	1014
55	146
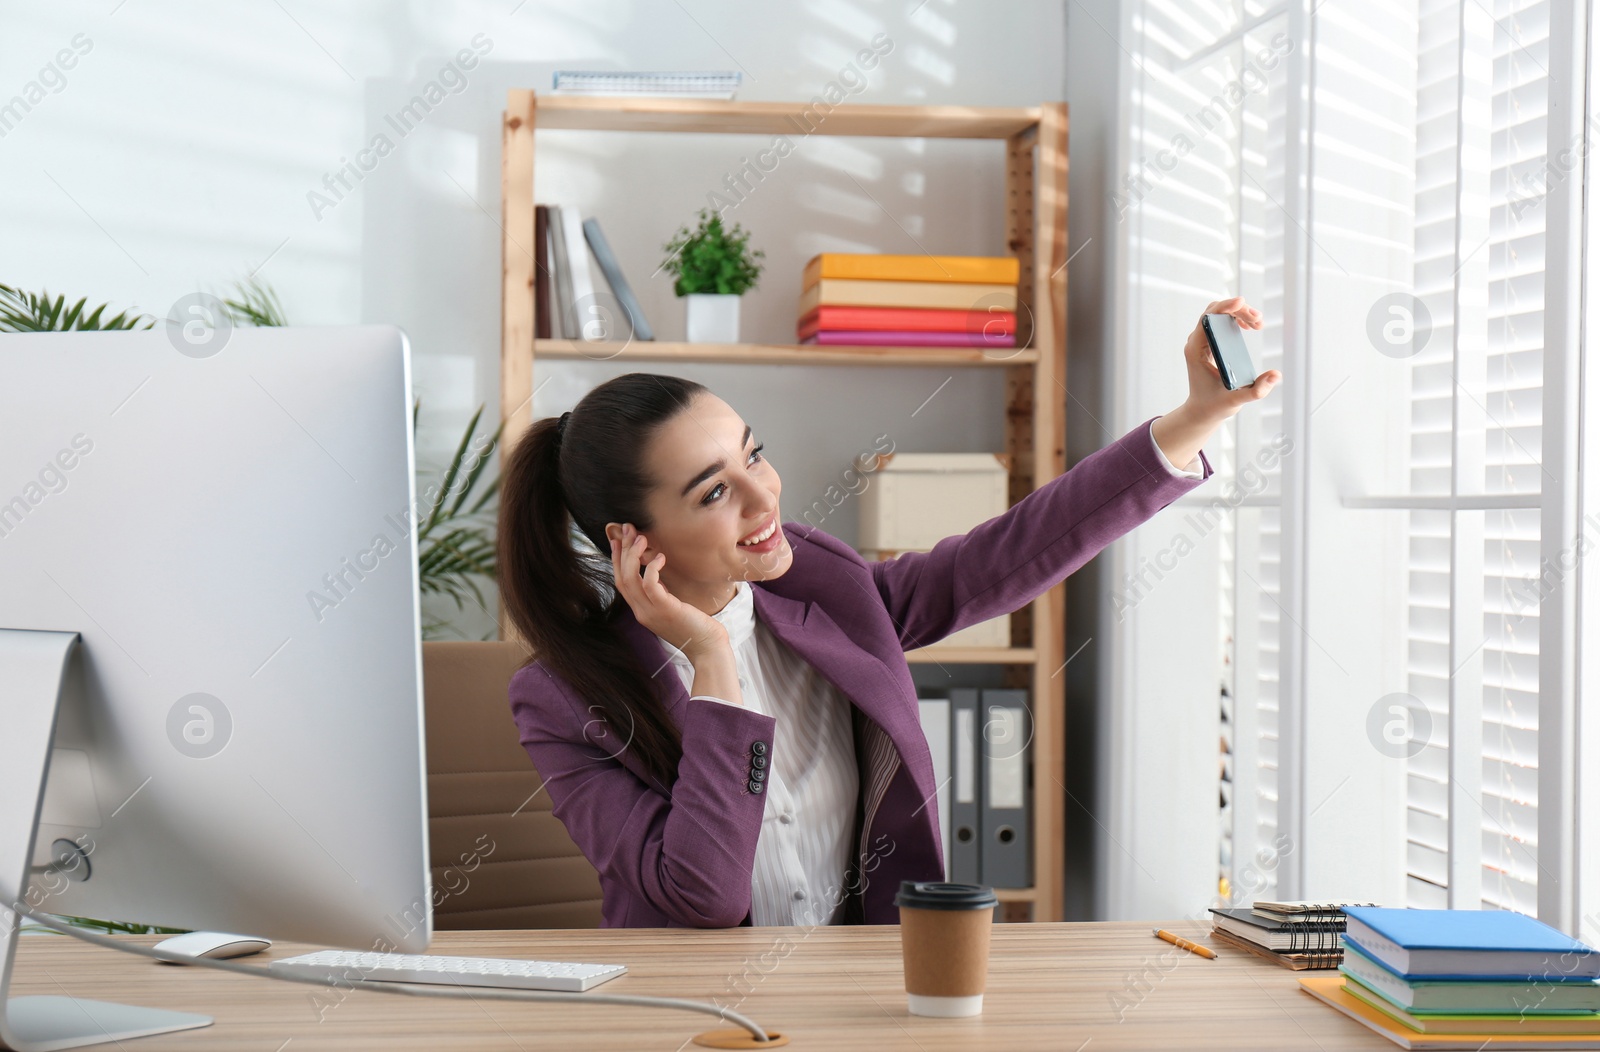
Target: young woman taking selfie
720	705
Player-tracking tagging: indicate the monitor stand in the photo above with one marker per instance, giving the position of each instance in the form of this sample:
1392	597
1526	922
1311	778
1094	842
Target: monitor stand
33	668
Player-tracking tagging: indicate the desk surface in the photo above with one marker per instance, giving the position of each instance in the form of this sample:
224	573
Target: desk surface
1051	986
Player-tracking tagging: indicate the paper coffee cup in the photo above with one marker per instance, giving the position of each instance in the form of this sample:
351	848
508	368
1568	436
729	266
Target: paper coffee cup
944	942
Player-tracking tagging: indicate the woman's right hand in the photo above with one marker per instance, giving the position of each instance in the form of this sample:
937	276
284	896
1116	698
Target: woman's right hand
686	627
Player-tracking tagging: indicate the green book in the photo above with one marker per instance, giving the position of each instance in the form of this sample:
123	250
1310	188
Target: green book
1469	997
1542	1024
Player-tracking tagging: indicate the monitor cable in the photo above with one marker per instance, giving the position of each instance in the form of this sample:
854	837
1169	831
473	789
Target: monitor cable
475	993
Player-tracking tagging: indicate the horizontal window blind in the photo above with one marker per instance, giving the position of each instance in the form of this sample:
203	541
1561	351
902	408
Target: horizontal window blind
1481	362
1209	172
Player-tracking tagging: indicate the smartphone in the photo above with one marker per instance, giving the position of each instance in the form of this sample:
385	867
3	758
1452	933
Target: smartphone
1228	350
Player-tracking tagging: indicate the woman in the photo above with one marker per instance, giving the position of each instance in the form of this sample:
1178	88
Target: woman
723	716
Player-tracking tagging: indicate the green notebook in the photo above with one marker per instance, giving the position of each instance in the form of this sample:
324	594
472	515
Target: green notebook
1543	1024
1470	997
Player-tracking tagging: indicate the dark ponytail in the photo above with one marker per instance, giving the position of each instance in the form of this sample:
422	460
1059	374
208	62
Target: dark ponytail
557	583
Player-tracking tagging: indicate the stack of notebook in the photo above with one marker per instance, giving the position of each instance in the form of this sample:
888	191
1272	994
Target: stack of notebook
909	301
1296	935
1477	979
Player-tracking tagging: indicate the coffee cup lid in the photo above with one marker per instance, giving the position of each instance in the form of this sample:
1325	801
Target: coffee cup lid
937	895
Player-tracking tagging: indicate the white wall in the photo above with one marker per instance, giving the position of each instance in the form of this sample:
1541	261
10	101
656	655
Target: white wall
180	150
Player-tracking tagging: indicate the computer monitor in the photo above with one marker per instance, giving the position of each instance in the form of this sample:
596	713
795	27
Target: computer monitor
208	555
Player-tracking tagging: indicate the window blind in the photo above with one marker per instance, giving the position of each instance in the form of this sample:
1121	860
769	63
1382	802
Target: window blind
1479	169
1211	140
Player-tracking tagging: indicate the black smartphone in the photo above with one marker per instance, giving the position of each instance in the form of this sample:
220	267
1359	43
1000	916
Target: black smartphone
1228	351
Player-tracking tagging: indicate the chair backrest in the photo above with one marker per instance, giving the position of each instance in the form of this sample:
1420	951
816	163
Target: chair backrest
500	859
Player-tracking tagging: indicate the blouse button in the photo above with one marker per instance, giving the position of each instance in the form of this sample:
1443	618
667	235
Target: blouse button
786	818
799	895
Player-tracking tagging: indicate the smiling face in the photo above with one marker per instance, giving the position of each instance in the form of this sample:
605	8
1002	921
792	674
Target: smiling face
712	489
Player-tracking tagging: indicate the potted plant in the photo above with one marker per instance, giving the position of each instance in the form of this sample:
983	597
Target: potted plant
714	265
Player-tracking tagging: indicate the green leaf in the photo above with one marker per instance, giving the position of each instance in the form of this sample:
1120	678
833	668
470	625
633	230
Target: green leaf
456	547
712	258
255	303
39	312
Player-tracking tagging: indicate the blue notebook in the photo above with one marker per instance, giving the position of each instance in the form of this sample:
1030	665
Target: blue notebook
1468	944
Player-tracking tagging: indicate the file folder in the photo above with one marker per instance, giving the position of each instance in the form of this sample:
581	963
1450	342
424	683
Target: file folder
1003	795
936	728
965	757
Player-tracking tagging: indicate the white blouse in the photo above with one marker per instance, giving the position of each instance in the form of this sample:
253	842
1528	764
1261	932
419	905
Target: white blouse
813	785
804	846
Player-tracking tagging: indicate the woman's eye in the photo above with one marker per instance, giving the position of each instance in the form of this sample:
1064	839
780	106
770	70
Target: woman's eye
716	491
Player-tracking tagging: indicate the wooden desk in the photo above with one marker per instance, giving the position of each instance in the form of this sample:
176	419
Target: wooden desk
1051	986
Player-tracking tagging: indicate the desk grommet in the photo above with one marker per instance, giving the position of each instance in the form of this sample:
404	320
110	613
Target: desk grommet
739	1038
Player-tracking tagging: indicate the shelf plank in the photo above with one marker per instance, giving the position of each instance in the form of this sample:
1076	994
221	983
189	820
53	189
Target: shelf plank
578	112
779	354
972	655
1016	894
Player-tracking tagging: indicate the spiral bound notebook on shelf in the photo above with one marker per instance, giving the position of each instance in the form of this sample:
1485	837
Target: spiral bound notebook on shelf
703	84
1296	935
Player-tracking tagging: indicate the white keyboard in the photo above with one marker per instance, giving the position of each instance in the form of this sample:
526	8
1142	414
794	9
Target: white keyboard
337	965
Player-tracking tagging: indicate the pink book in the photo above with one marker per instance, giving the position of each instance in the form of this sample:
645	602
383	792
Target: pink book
873	338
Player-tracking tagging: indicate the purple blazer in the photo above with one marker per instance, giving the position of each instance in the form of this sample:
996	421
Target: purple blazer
682	855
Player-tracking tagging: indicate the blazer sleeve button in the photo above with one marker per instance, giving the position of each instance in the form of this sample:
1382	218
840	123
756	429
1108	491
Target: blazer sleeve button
756	787
758	762
757	774
758	748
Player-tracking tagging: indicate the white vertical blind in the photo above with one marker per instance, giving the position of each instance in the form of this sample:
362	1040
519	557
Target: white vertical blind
1206	81
1495	284
1471	501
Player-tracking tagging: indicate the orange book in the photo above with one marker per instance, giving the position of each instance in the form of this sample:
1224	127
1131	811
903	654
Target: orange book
906	319
1331	992
973	270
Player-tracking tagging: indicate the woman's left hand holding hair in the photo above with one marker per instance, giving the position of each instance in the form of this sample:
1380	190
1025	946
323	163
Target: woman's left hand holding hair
1182	432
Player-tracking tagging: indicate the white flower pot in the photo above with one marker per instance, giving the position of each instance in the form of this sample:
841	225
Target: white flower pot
712	318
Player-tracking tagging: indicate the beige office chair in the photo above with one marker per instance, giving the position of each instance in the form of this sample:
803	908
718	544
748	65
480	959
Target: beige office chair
500	859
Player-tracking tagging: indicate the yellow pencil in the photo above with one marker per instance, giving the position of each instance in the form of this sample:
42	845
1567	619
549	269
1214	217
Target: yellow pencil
1182	943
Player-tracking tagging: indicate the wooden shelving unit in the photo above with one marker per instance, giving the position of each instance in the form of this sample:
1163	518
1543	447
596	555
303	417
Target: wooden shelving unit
1034	203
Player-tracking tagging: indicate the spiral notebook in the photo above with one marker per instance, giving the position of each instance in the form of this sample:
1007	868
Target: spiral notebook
1309	938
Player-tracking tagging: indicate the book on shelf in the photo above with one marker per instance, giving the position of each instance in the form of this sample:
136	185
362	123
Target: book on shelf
541	272
904	319
696	84
565	321
890	338
637	326
569	300
876	300
984	270
585	310
953	295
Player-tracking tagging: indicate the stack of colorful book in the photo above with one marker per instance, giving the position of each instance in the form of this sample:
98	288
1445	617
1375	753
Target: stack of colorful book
909	301
1478	979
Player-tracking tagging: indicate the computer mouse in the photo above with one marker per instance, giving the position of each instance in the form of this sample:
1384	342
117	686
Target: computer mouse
214	944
